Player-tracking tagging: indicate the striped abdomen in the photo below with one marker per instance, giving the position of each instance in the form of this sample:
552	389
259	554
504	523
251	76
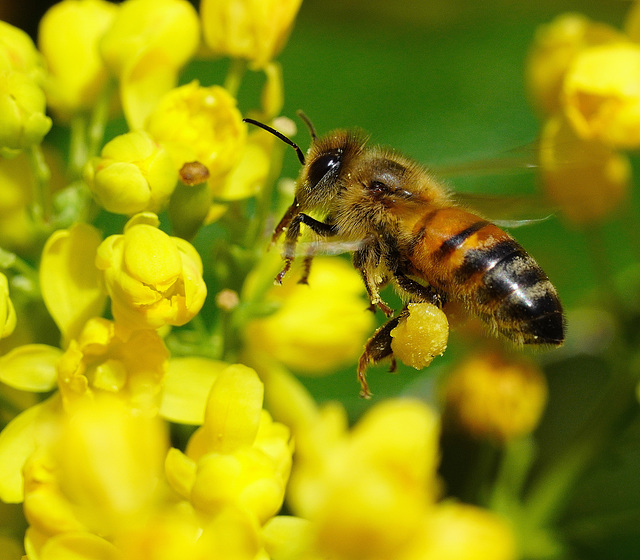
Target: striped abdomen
475	262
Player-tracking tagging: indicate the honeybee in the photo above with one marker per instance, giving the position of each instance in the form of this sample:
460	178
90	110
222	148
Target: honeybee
408	231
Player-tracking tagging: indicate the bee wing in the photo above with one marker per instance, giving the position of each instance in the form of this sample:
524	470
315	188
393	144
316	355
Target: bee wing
510	161
508	211
327	247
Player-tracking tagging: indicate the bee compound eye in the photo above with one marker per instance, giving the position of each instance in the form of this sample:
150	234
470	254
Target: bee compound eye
325	164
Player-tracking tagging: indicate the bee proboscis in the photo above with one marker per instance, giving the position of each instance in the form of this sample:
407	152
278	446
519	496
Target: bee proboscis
408	231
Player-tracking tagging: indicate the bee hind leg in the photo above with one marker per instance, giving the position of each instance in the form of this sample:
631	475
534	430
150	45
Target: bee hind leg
418	292
376	349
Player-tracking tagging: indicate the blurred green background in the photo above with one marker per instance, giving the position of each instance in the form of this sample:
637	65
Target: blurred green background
442	81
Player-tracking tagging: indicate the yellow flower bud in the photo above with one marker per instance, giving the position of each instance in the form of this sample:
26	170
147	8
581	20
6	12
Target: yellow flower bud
491	397
318	326
7	312
255	30
421	336
153	279
601	97
586	179
102	360
17	52
23	122
133	174
147	45
68	38
203	124
555	46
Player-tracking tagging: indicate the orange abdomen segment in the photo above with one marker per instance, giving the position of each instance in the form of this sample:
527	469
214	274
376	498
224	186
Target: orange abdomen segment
477	263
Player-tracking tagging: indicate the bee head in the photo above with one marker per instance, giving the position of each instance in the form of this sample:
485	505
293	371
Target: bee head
324	165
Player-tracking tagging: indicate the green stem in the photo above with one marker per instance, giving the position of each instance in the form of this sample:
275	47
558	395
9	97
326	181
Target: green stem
41	206
78	147
236	72
549	493
514	468
255	228
98	120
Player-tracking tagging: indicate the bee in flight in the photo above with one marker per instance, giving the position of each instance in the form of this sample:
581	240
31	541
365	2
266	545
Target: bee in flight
408	231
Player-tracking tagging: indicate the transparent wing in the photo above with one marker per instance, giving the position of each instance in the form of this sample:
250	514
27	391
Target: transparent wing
508	211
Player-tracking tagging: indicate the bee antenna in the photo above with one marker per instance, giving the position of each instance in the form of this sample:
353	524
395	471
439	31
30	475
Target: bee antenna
279	135
306	120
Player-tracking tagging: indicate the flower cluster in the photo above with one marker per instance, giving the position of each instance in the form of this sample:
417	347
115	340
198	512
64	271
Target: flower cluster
143	438
582	77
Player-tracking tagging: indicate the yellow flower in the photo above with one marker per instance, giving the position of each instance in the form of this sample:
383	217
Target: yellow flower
17	52
102	360
23	122
69	279
153	279
232	536
421	336
462	532
366	492
250	173
19	440
68	38
601	94
491	397
133	174
147	45
203	124
318	326
585	178
239	458
555	46
110	461
255	30
97	473
7	312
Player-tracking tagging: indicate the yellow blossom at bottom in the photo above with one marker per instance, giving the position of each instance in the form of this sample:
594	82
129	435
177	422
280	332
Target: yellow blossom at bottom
455	531
365	492
492	397
239	457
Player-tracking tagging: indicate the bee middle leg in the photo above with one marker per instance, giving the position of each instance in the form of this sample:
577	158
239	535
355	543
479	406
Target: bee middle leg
366	261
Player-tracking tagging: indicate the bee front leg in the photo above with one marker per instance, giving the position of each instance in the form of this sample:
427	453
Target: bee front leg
291	240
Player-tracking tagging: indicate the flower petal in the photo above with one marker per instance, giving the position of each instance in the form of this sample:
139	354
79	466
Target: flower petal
18	440
69	278
31	367
186	386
